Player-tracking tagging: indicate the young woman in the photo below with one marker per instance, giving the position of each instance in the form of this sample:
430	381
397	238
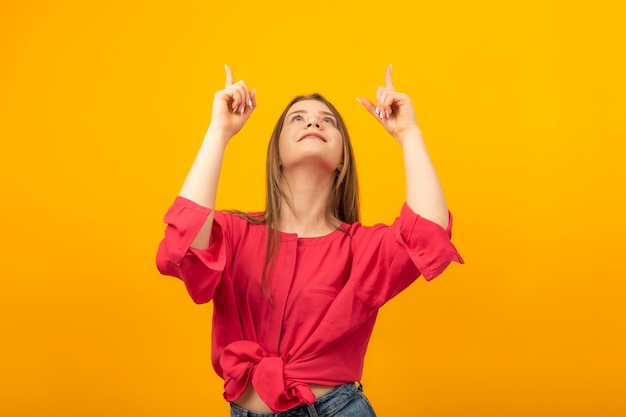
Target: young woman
296	288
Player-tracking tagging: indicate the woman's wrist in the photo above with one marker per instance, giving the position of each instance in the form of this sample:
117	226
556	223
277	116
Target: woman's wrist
410	136
215	133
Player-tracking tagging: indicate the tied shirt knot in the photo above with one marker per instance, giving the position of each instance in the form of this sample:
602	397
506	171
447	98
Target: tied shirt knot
245	361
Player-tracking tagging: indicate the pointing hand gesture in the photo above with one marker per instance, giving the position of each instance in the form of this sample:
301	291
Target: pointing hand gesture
232	106
393	110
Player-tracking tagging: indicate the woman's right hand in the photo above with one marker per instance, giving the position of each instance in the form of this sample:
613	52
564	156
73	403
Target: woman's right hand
232	106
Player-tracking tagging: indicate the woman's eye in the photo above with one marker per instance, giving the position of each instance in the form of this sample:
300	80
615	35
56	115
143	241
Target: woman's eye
329	120
297	118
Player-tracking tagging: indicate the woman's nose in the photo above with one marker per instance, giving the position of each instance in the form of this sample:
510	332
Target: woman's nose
313	122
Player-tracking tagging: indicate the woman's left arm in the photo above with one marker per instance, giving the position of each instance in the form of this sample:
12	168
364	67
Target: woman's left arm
394	111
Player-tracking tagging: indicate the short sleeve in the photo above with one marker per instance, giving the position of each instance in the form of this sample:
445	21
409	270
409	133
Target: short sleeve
199	269
387	259
428	244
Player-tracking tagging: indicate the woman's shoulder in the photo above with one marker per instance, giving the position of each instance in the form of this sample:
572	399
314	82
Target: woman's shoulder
244	217
361	231
243	222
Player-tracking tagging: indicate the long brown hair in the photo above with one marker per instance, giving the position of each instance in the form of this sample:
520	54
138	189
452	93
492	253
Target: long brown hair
343	202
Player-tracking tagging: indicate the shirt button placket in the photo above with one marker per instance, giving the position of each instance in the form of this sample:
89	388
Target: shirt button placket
286	264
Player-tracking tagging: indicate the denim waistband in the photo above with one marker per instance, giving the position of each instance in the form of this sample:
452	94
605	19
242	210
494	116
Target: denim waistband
325	404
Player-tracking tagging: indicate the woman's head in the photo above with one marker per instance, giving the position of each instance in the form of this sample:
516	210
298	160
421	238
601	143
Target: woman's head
331	147
310	138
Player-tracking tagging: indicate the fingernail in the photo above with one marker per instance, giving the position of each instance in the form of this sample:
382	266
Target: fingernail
243	109
376	111
387	113
250	102
359	100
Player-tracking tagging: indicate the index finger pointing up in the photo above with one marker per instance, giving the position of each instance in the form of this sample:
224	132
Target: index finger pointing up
388	81
229	76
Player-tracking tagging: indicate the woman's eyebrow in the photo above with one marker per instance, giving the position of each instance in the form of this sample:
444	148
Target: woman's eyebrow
304	111
296	111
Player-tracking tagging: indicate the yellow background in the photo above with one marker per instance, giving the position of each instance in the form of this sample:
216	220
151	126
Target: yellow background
104	104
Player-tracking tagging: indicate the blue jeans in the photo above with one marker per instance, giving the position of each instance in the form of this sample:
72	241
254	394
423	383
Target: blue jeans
343	401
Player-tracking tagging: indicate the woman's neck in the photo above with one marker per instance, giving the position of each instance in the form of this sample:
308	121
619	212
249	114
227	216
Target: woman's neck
306	213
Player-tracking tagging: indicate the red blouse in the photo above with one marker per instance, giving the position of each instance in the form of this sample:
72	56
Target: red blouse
325	295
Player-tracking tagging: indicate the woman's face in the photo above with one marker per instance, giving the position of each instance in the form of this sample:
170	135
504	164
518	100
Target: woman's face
310	136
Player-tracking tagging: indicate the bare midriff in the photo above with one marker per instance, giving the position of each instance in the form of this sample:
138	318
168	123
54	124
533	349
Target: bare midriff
250	400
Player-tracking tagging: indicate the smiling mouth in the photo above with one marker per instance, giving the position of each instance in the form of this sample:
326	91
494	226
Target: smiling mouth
313	135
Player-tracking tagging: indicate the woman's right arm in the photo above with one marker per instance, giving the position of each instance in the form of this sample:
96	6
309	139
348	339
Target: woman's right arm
232	107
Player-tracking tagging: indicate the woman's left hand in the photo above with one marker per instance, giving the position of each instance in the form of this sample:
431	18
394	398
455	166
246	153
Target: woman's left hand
393	110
